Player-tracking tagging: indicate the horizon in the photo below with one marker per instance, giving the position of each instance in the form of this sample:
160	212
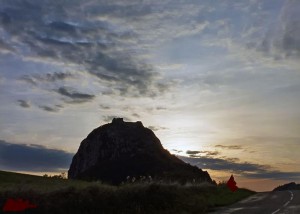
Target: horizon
217	82
62	173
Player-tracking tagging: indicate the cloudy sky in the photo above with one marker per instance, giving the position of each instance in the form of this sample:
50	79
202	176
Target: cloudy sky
217	81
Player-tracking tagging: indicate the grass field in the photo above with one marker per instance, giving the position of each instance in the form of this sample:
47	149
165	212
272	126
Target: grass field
53	195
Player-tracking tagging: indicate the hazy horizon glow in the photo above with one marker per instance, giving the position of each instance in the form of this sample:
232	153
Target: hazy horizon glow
217	81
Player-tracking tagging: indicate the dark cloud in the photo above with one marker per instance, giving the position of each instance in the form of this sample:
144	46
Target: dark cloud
32	158
246	169
28	79
108	119
177	151
5	47
50	109
75	97
233	147
70	32
211	153
192	152
274	174
136	115
223	164
49	77
197	153
105	107
4	18
289	41
156	128
126	74
62	26
24	103
128	109
282	39
161	108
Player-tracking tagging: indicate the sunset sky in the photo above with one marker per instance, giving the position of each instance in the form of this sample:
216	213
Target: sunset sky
218	81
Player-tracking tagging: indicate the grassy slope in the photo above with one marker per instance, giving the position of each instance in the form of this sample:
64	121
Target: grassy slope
67	196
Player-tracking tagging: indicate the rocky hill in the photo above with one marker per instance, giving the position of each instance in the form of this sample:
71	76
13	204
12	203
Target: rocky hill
114	151
289	186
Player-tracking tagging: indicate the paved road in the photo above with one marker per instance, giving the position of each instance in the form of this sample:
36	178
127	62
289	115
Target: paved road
283	202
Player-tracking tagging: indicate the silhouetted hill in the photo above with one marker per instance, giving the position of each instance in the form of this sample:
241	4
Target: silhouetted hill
289	186
114	151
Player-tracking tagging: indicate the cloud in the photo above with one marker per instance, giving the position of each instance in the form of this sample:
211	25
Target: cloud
35	158
222	164
246	169
28	79
233	147
211	153
49	77
197	153
281	38
105	107
101	48
136	115
124	73
51	109
24	103
76	97
52	77
5	48
62	26
177	151
195	28
192	152
161	108
288	38
274	174
108	119
156	128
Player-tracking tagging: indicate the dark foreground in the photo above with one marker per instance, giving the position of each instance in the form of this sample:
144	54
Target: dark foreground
279	202
52	195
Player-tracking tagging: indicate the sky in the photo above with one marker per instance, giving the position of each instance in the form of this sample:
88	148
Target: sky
217	81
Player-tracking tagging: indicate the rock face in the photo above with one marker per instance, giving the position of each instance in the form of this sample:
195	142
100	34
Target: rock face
119	149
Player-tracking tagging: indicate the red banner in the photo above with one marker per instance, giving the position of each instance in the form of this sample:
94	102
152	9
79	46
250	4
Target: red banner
232	184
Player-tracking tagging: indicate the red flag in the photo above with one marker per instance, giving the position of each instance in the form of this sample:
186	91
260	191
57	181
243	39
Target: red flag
232	184
12	205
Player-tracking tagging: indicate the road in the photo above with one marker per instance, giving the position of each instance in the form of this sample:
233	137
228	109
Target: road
281	202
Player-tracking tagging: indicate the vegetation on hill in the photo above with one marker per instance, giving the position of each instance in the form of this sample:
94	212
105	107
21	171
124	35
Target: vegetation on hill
57	195
289	186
